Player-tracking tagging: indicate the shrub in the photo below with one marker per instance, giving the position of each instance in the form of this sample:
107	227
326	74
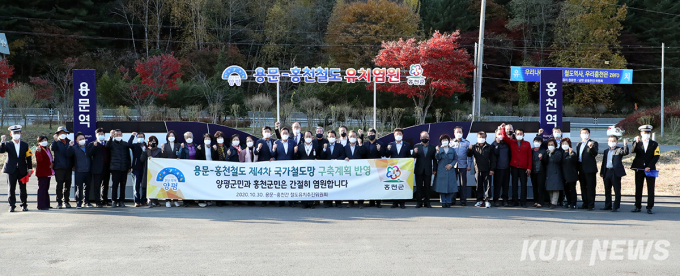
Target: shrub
650	115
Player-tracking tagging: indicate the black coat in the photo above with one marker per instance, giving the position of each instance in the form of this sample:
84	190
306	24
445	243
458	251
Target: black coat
539	163
82	159
554	181
404	153
59	150
645	159
485	159
14	164
372	151
301	154
136	154
100	158
358	151
588	158
263	154
120	155
502	152
570	166
617	161
337	154
425	163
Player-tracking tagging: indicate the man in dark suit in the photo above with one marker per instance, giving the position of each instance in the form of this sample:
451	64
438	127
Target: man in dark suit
398	149
587	169
17	165
332	151
119	167
646	155
374	150
319	141
611	172
138	146
285	149
99	167
354	150
425	167
307	151
81	166
265	146
63	167
297	136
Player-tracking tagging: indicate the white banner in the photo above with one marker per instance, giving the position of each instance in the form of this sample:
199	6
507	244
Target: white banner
281	180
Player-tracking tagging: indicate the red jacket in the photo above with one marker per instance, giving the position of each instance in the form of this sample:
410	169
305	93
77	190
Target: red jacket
521	157
43	163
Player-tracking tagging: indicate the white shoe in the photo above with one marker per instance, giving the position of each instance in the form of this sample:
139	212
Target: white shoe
167	204
202	205
479	204
177	204
487	204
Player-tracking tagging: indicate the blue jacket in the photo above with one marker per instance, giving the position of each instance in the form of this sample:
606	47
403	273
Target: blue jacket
81	158
461	150
184	152
338	152
281	154
404	153
61	160
264	154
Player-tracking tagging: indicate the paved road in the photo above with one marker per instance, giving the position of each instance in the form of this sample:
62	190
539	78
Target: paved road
280	241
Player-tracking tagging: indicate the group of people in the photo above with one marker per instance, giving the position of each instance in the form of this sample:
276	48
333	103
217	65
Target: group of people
554	165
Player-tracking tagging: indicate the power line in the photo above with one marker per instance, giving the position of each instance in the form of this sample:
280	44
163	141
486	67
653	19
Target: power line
639	9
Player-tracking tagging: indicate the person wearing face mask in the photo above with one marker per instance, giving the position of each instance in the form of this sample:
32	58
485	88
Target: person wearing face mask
248	155
204	151
43	170
320	140
570	172
170	149
234	149
554	181
611	172
296	136
374	149
188	150
520	165
557	135
398	149
464	164
82	160
332	151
285	149
510	131
539	162
587	151
120	166
307	151
264	146
152	151
138	166
501	176
425	168
342	132
18	164
63	167
646	155
485	165
446	182
354	150
99	168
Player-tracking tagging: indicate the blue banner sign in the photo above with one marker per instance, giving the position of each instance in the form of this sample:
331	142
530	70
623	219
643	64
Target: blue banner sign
85	102
574	75
550	101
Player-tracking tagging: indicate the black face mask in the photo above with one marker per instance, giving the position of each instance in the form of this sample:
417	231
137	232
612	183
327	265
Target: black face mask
425	140
343	135
371	137
153	145
319	136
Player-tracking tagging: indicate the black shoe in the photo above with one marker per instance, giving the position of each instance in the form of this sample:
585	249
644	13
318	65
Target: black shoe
649	211
427	205
393	206
378	205
591	209
511	205
67	205
361	206
403	207
11	209
605	209
24	209
615	210
505	204
121	204
305	207
636	210
114	204
463	204
420	205
523	205
371	204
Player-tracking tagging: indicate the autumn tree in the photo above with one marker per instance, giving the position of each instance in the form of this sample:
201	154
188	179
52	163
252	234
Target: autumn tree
356	30
156	76
6	72
445	66
56	87
587	36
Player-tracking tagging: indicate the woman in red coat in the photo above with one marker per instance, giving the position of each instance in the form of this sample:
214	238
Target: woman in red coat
43	171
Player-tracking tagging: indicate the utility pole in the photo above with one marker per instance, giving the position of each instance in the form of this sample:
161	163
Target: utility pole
663	53
474	85
480	61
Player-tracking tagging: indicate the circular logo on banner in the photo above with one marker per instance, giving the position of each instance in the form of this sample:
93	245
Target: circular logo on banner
234	74
170	178
393	172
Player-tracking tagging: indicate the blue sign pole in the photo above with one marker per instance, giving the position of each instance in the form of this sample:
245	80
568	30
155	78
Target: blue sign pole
85	102
574	75
550	101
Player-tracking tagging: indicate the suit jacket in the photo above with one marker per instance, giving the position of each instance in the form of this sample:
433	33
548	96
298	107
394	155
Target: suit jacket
298	139
645	159
588	158
617	161
61	161
281	154
570	166
100	158
17	165
337	154
233	154
81	158
372	151
169	152
404	153
425	163
136	154
302	152
358	151
264	154
43	162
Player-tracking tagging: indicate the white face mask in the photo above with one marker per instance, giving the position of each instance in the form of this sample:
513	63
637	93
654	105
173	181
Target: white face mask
220	140
445	143
296	131
249	144
62	136
352	140
458	135
43	143
81	142
171	138
284	137
308	140
189	140
645	136
118	138
101	137
537	145
331	140
612	144
551	148
267	135
557	135
520	137
140	140
235	143
16	136
398	137
207	142
585	136
481	140
565	147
